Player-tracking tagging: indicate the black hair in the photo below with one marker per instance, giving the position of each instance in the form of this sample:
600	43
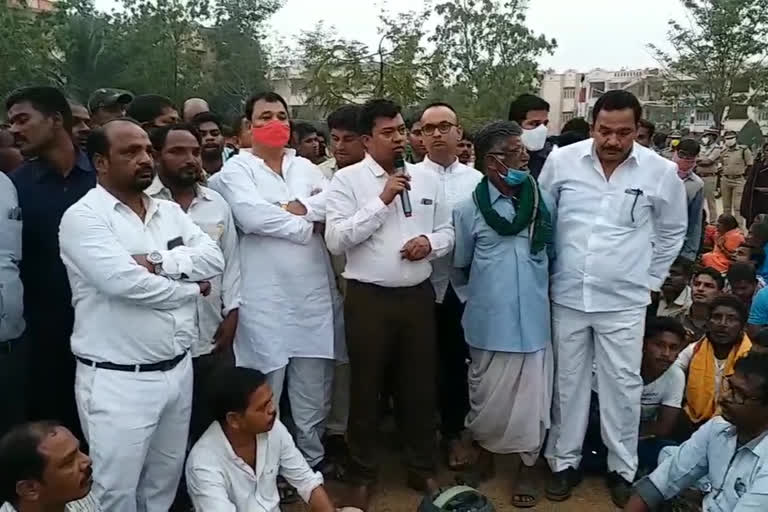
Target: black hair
520	106
148	107
440	104
760	229
375	109
469	136
98	142
269	97
20	457
755	364
231	390
301	129
207	117
227	131
618	100
644	123
578	125
657	325
756	254
412	119
729	221
689	147
762	338
740	271
659	139
731	301
567	138
160	135
490	135
711	272
685	264
345	118
47	100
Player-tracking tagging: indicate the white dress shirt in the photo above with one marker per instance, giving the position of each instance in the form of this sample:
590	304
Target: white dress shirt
372	233
212	214
218	480
458	182
87	504
605	227
287	280
11	290
125	314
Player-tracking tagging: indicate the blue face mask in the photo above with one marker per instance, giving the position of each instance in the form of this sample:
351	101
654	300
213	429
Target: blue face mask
514	177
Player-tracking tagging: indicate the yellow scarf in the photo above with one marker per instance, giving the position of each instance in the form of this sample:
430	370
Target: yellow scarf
700	390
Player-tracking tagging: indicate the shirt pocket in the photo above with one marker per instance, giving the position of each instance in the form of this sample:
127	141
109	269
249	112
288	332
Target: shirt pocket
629	207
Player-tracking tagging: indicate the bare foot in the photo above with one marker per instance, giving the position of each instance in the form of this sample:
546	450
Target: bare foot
460	454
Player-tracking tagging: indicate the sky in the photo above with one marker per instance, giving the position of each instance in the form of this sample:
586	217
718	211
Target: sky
611	34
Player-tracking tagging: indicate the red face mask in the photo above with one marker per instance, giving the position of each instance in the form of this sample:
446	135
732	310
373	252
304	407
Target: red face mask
274	134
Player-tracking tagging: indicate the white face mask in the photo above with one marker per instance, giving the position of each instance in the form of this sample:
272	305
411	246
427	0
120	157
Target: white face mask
535	139
730	142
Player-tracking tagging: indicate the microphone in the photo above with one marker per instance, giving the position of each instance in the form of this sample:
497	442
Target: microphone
404	197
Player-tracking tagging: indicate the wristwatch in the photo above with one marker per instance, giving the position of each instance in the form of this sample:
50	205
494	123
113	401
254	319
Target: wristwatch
156	259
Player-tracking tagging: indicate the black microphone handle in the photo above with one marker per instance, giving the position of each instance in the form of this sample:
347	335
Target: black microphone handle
406	200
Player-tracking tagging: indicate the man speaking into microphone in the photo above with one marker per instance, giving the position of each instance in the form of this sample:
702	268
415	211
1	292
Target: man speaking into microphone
388	308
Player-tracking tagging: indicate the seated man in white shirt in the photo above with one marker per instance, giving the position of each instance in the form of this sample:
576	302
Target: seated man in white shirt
663	388
235	464
178	152
42	468
731	450
136	267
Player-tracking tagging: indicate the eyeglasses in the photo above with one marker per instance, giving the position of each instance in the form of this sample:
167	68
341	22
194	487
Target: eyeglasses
444	127
738	397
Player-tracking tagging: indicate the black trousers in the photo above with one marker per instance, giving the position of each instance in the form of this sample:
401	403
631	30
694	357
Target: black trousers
391	330
453	390
13	371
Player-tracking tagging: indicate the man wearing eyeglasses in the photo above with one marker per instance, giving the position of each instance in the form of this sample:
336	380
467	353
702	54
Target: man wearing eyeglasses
685	158
441	133
730	450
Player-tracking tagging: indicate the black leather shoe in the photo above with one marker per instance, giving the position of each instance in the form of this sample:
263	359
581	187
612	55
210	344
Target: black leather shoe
620	489
561	484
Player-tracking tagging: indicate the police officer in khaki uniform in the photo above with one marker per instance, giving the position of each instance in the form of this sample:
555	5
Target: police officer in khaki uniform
672	141
736	159
706	167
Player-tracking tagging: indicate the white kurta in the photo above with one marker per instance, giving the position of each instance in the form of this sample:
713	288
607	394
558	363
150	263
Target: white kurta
287	280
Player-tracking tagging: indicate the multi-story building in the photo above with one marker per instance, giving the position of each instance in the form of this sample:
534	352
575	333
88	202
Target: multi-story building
573	94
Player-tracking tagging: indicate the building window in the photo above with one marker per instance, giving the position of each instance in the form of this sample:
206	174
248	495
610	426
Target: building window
567	116
737	112
763	115
569	93
703	117
598	88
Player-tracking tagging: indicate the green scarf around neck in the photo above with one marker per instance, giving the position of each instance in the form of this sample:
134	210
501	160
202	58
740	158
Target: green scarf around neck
531	213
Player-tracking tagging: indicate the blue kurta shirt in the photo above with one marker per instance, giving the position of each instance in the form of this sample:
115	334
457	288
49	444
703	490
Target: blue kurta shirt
508	293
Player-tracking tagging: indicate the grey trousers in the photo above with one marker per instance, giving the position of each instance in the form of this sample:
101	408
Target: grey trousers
309	382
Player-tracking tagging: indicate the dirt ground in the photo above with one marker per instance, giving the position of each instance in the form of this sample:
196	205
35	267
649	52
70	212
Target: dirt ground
392	495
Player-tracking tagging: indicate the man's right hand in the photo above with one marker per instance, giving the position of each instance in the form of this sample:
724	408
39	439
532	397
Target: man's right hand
205	288
296	208
395	184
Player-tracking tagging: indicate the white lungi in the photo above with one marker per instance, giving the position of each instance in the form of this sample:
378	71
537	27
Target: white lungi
136	424
310	381
614	342
510	395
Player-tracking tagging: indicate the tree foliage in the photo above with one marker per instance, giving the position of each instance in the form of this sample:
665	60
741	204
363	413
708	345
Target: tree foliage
208	48
479	55
718	56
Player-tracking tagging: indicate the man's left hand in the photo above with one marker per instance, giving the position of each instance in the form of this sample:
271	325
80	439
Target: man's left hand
225	334
296	208
416	249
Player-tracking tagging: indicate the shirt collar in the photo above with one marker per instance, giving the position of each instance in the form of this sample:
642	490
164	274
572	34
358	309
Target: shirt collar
158	189
82	162
374	166
683	298
221	440
113	203
439	168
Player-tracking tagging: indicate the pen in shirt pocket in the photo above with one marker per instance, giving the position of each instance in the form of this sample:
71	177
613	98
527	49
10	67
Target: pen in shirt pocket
637	193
